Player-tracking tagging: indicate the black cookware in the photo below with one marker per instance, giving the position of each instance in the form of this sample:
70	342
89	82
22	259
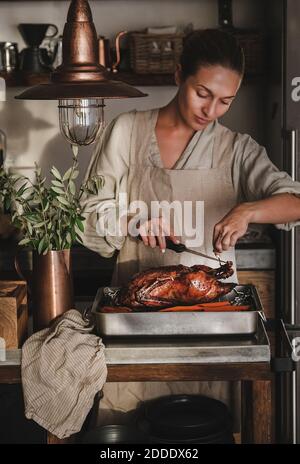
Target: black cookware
109	434
186	419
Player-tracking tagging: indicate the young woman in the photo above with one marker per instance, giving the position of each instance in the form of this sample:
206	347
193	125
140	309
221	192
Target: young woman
181	153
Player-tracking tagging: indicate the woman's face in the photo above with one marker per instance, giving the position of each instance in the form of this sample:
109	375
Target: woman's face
206	95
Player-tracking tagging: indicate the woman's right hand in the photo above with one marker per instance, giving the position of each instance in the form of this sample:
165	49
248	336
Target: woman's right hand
154	232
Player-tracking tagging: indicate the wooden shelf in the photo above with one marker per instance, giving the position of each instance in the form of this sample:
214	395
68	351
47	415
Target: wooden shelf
144	79
19	79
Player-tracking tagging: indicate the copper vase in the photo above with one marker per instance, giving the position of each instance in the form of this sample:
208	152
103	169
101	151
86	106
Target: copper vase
52	286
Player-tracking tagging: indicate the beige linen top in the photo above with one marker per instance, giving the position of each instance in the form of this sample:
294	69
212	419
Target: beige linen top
254	176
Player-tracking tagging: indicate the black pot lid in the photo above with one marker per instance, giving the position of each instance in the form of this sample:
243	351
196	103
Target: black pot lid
114	434
186	416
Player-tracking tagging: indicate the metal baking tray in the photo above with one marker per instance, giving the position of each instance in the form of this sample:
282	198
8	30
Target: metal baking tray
153	323
191	349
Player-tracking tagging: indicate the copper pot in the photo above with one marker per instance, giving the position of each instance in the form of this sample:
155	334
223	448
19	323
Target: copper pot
52	286
105	58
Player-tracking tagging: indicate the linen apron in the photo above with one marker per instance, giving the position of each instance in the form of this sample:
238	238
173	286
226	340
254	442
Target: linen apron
214	187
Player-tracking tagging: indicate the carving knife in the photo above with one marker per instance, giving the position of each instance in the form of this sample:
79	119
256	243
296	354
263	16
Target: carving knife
180	248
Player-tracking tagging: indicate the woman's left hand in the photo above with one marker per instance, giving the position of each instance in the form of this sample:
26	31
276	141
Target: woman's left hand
233	226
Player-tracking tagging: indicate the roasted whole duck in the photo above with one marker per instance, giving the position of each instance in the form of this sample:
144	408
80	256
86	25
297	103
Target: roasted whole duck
168	286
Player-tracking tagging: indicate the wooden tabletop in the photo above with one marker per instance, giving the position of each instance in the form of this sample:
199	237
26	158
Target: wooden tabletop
10	371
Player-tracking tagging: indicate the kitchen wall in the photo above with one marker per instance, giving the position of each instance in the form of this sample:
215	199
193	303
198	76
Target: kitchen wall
32	127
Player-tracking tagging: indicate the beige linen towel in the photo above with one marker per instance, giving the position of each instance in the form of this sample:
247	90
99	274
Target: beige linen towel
63	367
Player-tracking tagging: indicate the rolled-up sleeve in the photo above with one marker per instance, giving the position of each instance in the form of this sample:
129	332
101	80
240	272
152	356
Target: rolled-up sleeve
102	211
255	176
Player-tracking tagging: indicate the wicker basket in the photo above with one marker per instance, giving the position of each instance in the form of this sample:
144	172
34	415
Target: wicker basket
155	54
252	43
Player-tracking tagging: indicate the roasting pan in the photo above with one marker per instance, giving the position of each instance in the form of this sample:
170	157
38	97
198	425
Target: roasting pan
158	324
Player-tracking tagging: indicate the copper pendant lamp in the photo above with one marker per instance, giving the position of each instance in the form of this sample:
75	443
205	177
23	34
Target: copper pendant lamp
80	83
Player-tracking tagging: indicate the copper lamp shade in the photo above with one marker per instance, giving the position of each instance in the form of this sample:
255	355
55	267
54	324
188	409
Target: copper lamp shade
80	75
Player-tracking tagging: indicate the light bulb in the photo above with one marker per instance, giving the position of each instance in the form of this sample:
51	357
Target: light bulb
81	120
